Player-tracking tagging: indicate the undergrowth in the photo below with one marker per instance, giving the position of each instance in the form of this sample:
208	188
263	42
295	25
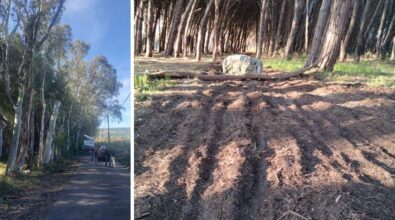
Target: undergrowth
16	184
144	86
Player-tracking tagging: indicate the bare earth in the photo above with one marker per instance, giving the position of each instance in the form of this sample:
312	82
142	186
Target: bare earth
94	192
296	149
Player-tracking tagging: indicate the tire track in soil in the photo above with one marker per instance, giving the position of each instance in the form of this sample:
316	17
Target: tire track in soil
207	153
252	185
188	139
300	129
351	144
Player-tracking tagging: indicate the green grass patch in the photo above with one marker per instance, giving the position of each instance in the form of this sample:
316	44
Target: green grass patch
19	183
371	72
3	167
284	65
144	86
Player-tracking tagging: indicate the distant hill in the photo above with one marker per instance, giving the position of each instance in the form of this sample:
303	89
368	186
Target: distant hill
117	134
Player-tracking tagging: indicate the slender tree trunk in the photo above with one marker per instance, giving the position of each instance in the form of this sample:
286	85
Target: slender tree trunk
48	149
307	25
108	129
25	144
336	29
187	28
389	34
360	37
2	127
139	27
346	40
319	33
217	26
380	31
207	39
77	139
298	10
16	131
182	30
68	128
42	124
174	27
393	49
32	139
372	22
280	26
150	29
162	37
261	29
202	30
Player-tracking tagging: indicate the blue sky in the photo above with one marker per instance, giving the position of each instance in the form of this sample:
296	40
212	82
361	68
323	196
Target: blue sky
105	25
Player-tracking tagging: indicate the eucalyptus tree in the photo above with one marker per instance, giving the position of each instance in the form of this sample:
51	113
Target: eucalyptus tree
37	19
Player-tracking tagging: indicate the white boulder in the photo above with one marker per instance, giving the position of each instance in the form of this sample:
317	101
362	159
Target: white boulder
240	64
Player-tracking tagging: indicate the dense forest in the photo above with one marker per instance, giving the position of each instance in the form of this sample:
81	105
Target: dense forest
50	94
324	30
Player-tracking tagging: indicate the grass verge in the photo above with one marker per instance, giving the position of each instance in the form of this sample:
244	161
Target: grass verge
370	72
25	196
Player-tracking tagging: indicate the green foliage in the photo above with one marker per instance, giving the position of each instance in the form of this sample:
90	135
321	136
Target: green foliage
144	86
58	166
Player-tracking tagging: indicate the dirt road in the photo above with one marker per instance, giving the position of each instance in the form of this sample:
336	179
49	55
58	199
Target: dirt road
296	149
94	192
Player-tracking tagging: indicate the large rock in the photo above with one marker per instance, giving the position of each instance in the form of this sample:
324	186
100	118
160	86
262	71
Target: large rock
242	65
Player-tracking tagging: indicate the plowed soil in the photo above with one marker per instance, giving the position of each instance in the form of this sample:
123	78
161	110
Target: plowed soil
295	149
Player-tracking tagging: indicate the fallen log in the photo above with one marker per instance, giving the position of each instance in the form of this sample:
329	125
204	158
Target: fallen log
212	77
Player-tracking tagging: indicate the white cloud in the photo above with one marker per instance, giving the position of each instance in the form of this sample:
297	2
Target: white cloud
75	6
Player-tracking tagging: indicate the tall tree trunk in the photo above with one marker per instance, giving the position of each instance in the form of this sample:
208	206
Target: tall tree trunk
77	139
207	39
336	29
25	144
162	37
360	37
42	124
298	10
16	131
307	25
187	28
108	129
202	30
261	29
393	49
174	27
150	29
380	31
2	127
280	26
346	40
32	139
68	128
319	30
139	27
217	26
388	36
48	149
182	30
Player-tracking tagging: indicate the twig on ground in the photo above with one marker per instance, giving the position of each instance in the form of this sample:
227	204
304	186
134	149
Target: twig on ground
293	213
